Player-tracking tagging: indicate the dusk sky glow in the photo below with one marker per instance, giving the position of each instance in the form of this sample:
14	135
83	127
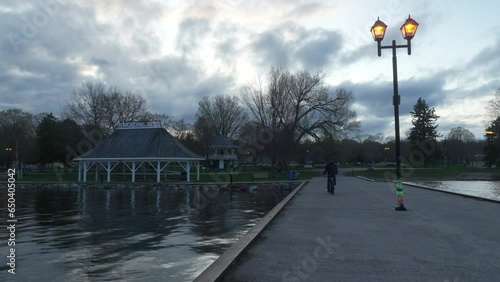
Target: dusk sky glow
176	52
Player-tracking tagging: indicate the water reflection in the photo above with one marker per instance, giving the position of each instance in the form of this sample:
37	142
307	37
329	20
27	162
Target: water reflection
483	189
130	234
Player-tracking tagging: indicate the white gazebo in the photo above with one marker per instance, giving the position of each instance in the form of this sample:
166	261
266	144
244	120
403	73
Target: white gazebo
137	145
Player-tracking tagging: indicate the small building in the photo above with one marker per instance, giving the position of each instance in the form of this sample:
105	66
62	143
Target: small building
138	145
222	153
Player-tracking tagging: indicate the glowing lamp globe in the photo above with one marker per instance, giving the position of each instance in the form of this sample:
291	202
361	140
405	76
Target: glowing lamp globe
409	28
378	30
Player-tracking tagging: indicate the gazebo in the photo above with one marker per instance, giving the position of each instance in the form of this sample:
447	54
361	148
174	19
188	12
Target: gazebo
136	145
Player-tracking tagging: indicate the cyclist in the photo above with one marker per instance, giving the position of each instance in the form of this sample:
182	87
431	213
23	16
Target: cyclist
331	169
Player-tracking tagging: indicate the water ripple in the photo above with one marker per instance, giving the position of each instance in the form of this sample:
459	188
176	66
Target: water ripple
85	234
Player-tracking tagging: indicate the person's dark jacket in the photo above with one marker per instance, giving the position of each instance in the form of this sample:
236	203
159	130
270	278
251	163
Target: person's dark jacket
331	169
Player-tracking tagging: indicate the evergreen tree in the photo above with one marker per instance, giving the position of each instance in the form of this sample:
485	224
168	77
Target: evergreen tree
69	135
424	133
492	148
56	138
46	135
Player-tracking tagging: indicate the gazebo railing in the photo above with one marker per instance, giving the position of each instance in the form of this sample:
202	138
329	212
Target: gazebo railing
139	124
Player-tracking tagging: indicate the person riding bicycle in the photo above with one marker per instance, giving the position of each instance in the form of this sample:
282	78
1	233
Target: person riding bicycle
331	169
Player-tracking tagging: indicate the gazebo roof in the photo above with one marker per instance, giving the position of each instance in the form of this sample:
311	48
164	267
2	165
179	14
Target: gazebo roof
221	141
140	143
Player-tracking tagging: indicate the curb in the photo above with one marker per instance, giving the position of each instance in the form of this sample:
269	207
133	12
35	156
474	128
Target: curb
217	270
450	192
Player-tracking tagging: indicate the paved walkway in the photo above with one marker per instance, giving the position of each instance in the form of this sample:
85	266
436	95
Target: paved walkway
357	236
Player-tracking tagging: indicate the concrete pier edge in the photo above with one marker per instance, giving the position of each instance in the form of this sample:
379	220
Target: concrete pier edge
437	190
217	270
450	192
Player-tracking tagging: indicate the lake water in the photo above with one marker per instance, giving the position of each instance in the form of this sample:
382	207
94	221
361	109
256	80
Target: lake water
483	189
129	234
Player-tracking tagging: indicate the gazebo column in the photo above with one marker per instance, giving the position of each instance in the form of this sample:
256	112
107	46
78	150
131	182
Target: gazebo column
158	171
188	170
84	171
133	171
79	171
108	178
198	171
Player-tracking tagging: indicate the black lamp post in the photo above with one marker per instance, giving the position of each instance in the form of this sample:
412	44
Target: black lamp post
408	30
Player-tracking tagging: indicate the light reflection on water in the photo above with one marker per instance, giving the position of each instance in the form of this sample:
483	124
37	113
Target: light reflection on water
483	189
88	234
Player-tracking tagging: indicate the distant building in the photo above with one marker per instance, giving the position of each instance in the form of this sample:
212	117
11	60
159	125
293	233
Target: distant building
137	145
222	153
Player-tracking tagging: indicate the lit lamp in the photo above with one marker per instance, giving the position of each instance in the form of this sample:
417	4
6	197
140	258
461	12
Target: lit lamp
378	33
408	30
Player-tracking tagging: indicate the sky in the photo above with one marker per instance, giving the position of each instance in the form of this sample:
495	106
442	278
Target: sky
176	52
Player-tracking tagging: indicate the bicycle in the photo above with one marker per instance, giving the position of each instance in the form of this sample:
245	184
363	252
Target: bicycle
331	185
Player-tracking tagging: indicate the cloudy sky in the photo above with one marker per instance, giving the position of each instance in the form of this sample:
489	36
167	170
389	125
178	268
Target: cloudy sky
176	52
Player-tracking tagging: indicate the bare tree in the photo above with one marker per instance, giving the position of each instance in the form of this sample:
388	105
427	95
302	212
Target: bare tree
461	134
303	104
457	146
181	129
295	107
223	115
97	107
121	107
86	105
494	106
163	120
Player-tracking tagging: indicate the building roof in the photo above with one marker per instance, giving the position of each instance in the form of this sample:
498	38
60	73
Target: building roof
221	141
140	143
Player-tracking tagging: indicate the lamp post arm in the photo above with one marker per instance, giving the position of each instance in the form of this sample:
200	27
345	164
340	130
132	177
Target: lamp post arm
394	46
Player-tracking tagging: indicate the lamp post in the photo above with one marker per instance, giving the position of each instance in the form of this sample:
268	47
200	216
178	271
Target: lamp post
408	30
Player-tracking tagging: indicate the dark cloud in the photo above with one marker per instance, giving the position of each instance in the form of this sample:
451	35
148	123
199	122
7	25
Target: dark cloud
319	50
378	97
191	31
307	10
271	49
365	51
375	101
292	45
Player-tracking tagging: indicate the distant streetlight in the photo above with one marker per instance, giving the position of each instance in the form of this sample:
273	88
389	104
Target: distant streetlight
408	30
